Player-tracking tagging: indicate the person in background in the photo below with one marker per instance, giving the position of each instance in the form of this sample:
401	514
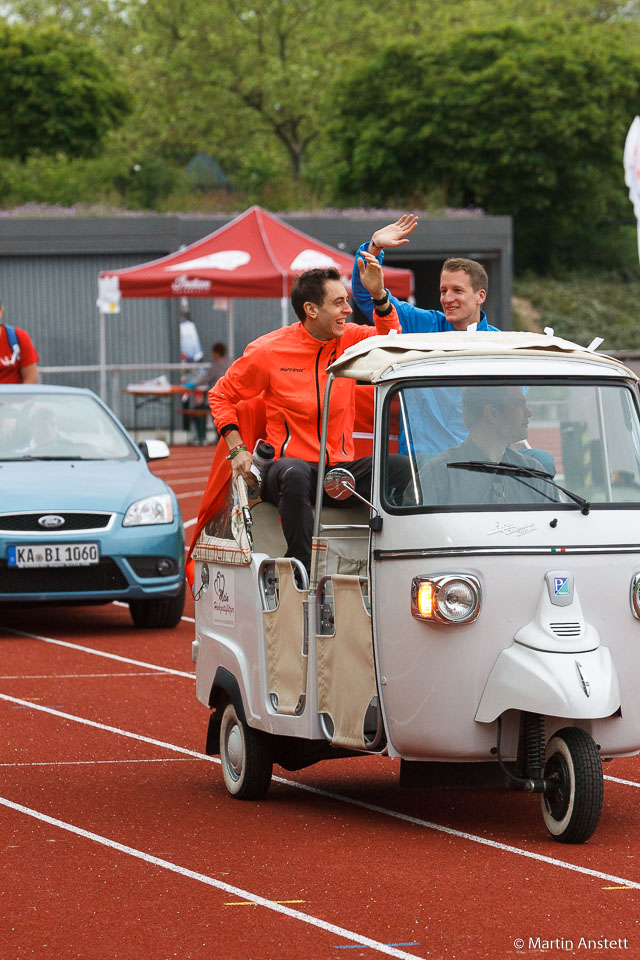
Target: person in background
219	365
463	291
18	356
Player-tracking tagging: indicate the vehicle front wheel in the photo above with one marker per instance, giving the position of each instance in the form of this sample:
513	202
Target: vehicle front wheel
155	614
246	757
572	803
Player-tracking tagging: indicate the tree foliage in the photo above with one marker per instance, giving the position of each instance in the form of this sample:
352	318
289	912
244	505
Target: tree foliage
529	122
518	106
56	94
247	84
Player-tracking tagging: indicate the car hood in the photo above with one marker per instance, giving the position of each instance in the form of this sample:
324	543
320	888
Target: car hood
75	484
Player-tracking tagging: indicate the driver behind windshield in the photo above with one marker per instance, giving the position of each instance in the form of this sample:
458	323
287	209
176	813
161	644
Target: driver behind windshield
495	416
44	429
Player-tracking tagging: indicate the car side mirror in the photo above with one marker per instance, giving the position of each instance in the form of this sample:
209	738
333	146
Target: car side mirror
154	449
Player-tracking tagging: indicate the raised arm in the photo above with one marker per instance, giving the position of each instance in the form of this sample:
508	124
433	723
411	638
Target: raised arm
393	235
371	275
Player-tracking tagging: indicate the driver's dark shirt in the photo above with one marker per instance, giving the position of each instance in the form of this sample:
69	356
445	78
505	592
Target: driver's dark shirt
445	486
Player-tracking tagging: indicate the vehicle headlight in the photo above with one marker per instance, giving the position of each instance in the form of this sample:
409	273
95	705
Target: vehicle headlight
156	509
635	596
446	599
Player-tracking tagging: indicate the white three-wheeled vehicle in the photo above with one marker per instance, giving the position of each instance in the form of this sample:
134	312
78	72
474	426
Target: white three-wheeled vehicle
482	622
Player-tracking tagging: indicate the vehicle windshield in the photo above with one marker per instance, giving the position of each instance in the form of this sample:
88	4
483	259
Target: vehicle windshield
58	426
583	436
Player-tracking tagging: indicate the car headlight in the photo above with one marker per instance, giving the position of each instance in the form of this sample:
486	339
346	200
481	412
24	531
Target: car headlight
156	509
445	599
635	596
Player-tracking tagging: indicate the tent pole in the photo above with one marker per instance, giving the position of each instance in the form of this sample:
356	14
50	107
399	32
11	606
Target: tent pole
102	351
231	345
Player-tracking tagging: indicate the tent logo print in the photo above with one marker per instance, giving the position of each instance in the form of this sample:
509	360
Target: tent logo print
310	259
222	260
561	586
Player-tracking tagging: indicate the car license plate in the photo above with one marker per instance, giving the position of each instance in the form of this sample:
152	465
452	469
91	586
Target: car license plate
53	555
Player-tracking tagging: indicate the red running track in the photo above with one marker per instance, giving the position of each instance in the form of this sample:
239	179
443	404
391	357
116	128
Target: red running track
120	841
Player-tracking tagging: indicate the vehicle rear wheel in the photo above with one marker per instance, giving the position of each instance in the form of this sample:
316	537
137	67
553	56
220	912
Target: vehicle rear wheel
246	757
163	612
571	806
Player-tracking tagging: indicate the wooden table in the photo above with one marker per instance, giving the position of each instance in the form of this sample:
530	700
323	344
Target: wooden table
143	395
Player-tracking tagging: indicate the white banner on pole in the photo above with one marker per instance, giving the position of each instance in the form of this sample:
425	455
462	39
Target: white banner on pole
632	169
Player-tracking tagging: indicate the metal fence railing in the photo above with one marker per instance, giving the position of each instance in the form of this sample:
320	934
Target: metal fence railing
118	377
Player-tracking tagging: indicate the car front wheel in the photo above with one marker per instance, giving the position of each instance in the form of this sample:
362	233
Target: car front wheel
155	614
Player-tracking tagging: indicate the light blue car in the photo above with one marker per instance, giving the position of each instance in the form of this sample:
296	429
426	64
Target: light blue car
82	518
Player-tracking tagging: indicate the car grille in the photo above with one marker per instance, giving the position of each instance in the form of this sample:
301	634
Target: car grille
28	522
104	575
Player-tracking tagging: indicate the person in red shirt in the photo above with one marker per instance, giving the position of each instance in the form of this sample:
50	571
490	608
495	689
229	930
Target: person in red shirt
18	356
289	367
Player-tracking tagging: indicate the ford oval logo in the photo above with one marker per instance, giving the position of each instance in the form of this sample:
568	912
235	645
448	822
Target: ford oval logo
51	520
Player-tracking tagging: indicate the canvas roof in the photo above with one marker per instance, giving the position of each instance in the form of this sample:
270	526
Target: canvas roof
374	357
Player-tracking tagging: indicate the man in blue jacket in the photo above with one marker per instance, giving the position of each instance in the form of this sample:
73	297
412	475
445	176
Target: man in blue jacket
463	290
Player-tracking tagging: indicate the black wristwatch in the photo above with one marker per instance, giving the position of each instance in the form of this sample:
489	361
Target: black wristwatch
379	303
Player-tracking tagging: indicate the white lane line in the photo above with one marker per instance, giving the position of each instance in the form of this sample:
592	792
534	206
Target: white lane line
99	653
109	729
190	523
190	493
77	676
213	882
120	603
383	811
92	763
474	838
627	783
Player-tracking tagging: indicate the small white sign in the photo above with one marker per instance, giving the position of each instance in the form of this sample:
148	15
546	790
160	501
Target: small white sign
223	600
108	295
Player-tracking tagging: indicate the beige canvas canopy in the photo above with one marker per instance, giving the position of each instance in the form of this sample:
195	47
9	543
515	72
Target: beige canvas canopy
372	359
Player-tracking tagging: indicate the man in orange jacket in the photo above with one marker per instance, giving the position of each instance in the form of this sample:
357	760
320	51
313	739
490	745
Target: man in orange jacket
289	366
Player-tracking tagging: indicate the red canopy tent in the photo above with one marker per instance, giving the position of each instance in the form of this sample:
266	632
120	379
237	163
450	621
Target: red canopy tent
255	255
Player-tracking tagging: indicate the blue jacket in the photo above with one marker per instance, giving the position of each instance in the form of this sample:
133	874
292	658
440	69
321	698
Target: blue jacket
439	406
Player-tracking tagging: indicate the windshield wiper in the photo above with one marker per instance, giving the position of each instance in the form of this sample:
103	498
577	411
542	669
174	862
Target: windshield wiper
518	472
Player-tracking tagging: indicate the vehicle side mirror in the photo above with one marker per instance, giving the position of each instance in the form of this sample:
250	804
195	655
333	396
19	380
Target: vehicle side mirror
339	483
154	449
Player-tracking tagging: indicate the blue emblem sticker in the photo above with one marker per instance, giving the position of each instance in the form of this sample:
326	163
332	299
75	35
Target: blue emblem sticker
561	586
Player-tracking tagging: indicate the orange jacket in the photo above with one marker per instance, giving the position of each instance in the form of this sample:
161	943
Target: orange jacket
289	366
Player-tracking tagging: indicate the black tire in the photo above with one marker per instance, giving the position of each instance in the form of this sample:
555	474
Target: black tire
155	614
246	757
571	808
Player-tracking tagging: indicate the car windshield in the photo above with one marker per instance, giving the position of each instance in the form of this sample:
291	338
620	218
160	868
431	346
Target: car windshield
491	445
59	426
